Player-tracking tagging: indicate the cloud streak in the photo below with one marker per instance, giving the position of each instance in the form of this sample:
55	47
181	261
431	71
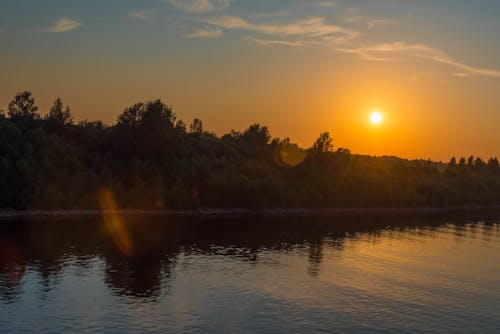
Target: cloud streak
144	15
276	42
199	6
316	31
311	26
402	51
64	25
205	33
370	22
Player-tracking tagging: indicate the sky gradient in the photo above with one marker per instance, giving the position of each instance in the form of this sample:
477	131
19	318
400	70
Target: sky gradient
300	67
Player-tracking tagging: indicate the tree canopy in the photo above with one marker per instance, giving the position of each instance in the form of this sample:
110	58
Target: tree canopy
150	160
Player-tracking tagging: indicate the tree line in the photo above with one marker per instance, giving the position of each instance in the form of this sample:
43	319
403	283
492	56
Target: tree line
150	159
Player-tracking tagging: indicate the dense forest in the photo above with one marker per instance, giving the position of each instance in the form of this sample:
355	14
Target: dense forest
149	159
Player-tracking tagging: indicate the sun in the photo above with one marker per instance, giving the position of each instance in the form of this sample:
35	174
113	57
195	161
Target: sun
376	117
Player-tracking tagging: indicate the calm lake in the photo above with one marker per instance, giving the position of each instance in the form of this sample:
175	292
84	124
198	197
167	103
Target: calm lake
431	274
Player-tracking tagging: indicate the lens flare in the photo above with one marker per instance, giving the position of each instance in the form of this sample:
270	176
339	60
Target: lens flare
114	222
289	155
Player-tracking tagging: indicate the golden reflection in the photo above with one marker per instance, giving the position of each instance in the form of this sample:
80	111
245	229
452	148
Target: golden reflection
287	154
114	222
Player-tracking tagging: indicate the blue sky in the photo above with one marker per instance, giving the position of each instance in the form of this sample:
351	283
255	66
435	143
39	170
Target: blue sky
443	25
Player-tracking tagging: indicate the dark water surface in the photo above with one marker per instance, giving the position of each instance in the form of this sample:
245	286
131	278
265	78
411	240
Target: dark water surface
284	275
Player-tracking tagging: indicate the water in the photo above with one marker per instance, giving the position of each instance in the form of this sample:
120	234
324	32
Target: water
281	275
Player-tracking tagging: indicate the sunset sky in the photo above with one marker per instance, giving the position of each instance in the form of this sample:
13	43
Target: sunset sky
431	67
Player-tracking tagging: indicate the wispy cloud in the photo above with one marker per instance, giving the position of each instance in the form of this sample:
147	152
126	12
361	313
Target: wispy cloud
199	6
64	24
370	22
403	51
207	32
276	42
144	15
312	26
317	31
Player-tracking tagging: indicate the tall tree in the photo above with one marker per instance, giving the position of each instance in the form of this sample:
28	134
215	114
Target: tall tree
196	127
493	164
58	118
256	134
323	143
479	163
59	114
22	109
132	116
470	162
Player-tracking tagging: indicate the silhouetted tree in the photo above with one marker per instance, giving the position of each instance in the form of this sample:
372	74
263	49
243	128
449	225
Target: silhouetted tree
23	110
180	126
493	164
323	143
479	163
256	134
344	150
470	162
13	162
155	135
150	161
157	115
58	117
59	114
196	127
132	116
232	137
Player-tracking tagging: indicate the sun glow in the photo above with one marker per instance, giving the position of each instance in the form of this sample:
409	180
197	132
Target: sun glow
376	117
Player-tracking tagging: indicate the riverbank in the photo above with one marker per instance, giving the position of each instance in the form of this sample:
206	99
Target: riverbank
215	212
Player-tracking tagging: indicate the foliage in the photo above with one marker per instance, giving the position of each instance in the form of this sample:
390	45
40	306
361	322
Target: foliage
150	161
323	143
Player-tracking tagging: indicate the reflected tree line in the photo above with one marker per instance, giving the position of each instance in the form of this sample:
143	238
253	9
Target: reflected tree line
150	159
46	247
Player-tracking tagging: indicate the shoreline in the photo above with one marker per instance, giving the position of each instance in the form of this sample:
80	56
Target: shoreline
241	212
